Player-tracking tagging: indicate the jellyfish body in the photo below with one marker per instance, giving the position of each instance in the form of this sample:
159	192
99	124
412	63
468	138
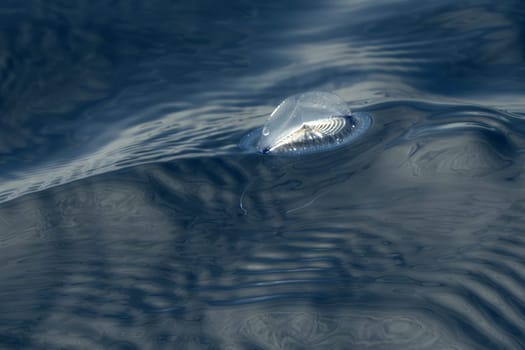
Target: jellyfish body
307	123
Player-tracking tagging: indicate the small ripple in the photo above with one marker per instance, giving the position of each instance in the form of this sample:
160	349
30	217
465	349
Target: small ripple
285	327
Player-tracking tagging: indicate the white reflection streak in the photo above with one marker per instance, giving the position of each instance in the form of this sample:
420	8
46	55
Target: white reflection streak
307	204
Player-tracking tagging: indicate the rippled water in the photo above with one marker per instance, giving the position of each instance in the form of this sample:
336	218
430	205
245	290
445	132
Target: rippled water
131	219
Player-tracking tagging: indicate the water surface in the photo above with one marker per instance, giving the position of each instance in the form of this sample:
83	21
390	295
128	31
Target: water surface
131	219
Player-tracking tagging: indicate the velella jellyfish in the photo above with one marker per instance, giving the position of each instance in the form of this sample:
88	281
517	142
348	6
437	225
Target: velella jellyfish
307	123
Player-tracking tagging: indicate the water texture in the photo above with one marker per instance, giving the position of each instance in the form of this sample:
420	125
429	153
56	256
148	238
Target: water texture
131	219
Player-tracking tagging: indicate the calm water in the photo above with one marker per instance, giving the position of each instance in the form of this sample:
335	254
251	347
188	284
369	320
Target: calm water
131	219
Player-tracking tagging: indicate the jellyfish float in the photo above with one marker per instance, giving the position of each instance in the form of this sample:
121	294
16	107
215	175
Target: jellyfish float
307	123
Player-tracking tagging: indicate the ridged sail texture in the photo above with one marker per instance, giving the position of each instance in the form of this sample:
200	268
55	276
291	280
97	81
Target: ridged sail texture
310	122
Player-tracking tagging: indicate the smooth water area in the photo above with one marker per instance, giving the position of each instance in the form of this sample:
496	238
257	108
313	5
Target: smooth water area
130	218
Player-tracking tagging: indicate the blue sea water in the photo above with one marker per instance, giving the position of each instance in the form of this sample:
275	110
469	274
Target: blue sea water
130	218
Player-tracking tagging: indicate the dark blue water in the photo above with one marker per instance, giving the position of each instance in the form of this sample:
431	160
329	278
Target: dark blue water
131	219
